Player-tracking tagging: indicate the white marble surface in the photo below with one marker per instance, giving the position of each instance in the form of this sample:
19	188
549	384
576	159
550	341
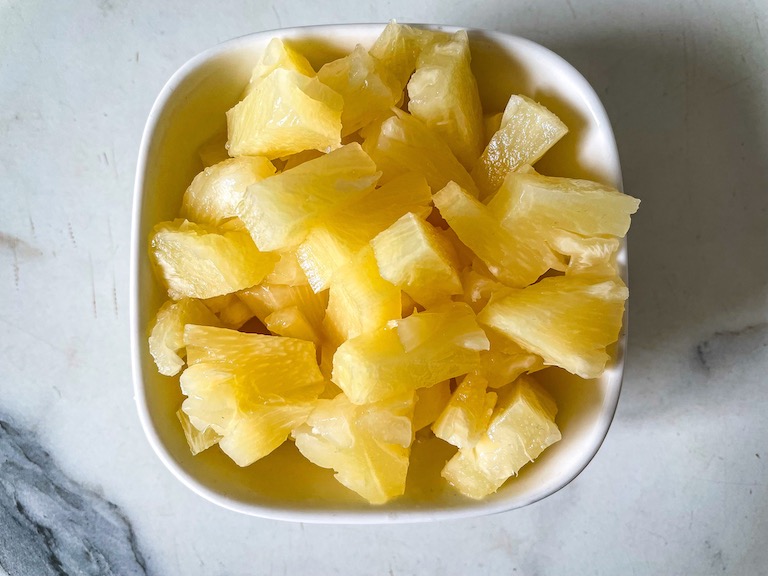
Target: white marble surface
681	483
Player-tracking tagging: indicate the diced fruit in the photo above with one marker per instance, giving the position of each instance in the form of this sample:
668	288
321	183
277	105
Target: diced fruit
291	322
595	255
366	94
411	255
403	143
368	446
249	388
215	192
278	55
527	131
280	211
554	204
491	125
266	299
197	262
430	403
235	314
415	352
166	339
322	253
213	150
465	419
359	300
443	94
286	113
196	440
398	48
509	258
505	360
478	288
287	271
521	428
567	320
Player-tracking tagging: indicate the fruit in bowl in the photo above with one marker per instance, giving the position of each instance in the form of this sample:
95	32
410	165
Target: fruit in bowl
372	298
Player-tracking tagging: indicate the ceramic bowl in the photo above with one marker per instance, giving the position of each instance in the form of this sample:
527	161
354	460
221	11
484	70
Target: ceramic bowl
188	111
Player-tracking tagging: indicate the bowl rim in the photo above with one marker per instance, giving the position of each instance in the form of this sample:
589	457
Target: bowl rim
374	515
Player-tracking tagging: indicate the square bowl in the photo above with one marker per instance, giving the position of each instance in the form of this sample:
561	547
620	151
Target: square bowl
190	110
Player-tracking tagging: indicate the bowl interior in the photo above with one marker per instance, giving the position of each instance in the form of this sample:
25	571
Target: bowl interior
189	111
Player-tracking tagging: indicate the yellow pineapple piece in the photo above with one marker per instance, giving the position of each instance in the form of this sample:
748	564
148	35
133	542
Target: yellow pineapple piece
403	143
368	446
291	322
251	389
527	131
509	257
343	234
287	270
521	428
594	255
285	113
213	150
491	125
197	262
366	94
567	320
214	194
465	419
505	360
166	338
278	54
359	300
415	352
411	255
196	440
430	403
235	314
280	211
398	47
443	94
265	300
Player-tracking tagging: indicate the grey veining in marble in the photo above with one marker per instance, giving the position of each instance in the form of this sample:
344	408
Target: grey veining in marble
52	525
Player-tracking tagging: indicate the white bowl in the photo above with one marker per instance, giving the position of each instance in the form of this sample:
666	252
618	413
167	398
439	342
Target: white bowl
188	111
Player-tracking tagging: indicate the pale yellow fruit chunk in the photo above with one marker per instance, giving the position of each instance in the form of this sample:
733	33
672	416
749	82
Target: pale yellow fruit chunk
235	314
277	54
443	94
465	419
166	338
403	143
280	211
214	194
291	322
398	48
491	125
368	446
198	262
567	320
508	256
521	428
286	113
411	255
505	360
415	352
287	270
527	131
251	389
196	440
594	255
430	403
265	300
359	300
366	94
343	234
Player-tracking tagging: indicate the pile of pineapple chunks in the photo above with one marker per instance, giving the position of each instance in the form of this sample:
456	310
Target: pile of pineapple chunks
371	257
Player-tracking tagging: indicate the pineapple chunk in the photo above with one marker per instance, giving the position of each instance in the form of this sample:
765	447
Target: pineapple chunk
166	338
287	271
285	113
250	389
527	131
465	419
366	94
491	125
521	428
368	446
359	300
234	314
280	211
443	94
291	322
411	255
214	194
567	320
322	253
196	440
595	255
198	262
277	55
430	403
415	352
505	361
508	257
403	143
266	299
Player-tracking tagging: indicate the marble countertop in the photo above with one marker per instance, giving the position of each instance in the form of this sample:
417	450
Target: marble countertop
681	483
